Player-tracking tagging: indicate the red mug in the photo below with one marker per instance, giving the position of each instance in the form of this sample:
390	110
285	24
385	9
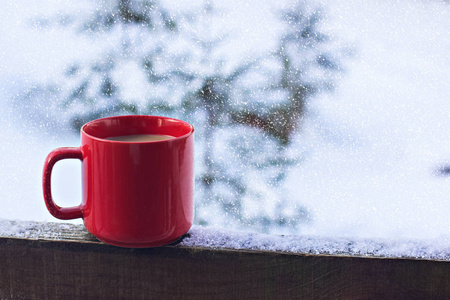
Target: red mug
135	194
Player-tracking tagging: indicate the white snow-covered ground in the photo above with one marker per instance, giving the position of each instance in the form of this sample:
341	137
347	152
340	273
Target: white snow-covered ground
371	148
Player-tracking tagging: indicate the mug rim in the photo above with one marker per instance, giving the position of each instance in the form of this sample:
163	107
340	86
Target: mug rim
83	131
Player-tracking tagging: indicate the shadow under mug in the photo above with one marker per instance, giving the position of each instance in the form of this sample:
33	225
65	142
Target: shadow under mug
134	194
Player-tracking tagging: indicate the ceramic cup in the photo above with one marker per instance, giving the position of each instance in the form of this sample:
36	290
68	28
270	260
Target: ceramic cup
134	194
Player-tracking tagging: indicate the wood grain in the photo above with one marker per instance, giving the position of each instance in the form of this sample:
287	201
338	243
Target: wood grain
74	265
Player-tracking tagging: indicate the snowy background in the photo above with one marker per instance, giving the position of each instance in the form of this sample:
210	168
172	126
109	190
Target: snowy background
372	148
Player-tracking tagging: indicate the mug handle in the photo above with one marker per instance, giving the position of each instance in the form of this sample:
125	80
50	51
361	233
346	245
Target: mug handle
63	213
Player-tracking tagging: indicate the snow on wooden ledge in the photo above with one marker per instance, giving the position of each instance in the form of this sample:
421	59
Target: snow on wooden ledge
63	261
215	238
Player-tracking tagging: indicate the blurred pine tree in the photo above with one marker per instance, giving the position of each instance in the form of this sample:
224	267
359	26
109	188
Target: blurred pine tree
163	63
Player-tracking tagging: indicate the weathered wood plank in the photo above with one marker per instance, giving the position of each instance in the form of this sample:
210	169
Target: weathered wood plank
72	264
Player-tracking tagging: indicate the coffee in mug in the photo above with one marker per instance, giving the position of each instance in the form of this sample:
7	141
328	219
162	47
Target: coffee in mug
140	138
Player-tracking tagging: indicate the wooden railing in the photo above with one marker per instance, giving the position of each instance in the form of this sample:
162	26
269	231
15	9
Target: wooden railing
62	261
